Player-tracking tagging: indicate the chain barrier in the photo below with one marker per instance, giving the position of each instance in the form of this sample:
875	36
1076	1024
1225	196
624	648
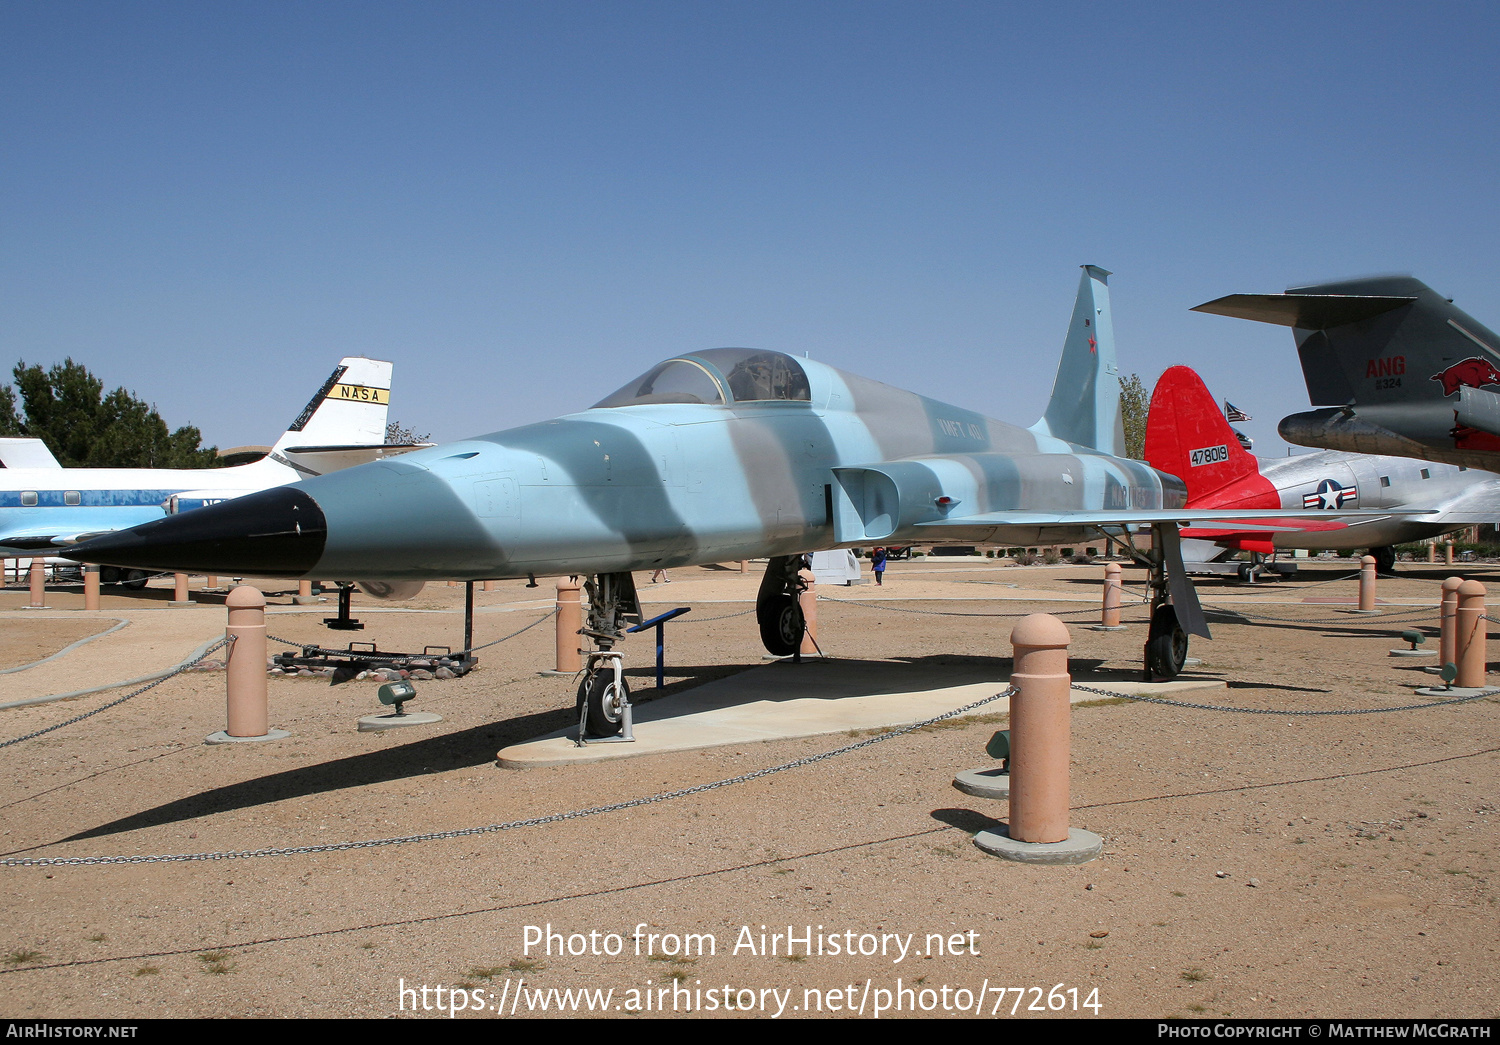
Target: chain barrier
949	613
1273	711
577	814
373	656
184	666
1423	615
705	620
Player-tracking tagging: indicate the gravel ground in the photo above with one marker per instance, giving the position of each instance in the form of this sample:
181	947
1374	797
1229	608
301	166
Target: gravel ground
1255	865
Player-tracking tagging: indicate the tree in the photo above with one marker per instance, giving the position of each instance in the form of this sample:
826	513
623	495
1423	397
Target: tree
1134	401
65	407
396	435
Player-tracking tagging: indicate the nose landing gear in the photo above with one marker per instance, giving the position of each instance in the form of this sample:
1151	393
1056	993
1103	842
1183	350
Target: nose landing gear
603	694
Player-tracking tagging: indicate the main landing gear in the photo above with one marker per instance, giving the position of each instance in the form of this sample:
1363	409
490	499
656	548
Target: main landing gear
777	606
603	694
1166	641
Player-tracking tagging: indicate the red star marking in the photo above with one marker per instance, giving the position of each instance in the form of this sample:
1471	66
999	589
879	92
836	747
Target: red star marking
1093	346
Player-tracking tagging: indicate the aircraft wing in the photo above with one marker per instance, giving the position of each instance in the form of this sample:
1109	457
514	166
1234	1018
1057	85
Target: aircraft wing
1478	505
1254	519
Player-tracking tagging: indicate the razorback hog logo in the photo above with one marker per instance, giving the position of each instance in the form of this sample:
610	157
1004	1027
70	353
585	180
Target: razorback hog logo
1474	372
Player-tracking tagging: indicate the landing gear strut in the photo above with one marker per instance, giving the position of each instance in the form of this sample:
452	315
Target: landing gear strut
603	694
1166	642
777	608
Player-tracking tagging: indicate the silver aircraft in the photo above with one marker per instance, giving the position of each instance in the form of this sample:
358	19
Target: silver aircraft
713	456
1187	436
1396	368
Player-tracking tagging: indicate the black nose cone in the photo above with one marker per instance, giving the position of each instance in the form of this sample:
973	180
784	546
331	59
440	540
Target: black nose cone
274	533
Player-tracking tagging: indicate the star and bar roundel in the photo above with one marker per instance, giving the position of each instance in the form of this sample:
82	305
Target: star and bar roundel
1330	494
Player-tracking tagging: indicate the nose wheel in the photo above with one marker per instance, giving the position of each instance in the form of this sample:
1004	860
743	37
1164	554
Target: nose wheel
603	701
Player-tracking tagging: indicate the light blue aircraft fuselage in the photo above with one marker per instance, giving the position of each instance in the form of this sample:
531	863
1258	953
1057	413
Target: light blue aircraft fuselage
713	456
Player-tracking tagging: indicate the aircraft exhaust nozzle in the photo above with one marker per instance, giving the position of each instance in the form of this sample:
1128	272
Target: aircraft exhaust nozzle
279	532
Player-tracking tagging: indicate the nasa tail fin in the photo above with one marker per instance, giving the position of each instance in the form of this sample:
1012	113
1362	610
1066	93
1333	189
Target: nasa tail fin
1085	404
349	410
1188	437
1388	339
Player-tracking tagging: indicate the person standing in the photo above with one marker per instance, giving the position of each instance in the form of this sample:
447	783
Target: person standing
877	563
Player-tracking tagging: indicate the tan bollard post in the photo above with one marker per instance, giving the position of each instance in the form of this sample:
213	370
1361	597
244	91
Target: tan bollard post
1366	584
1447	622
1109	617
304	589
38	584
1472	634
1040	732
210	582
1040	735
569	621
744	565
91	587
1432	551
1448	552
487	586
808	600
179	590
245	674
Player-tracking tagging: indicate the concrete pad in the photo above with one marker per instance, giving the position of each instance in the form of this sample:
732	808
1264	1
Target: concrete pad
1078	848
783	700
222	737
375	723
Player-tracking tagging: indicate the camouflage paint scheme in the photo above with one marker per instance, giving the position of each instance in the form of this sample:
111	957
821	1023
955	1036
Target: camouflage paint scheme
798	457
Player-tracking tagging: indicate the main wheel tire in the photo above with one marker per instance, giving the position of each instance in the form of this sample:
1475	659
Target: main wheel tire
134	580
606	715
1247	572
1167	644
1385	560
781	625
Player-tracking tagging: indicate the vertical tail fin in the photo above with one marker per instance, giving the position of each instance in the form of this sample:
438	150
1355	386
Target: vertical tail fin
1188	437
1085	404
1388	339
349	410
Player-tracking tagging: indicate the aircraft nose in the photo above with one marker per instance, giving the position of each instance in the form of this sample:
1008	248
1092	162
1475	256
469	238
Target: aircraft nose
275	533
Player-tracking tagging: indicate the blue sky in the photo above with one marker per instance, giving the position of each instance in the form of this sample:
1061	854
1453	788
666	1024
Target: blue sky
524	204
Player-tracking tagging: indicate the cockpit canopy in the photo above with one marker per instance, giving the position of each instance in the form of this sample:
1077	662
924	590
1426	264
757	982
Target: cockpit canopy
717	377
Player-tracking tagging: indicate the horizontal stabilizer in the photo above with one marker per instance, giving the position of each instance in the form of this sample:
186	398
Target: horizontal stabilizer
349	448
26	452
1307	311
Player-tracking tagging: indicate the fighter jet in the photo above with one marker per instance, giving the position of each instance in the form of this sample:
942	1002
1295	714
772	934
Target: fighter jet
1395	367
714	456
1187	436
44	507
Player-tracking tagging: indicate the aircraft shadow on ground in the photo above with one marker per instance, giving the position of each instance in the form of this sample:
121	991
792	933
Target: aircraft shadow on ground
467	748
476	746
461	750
